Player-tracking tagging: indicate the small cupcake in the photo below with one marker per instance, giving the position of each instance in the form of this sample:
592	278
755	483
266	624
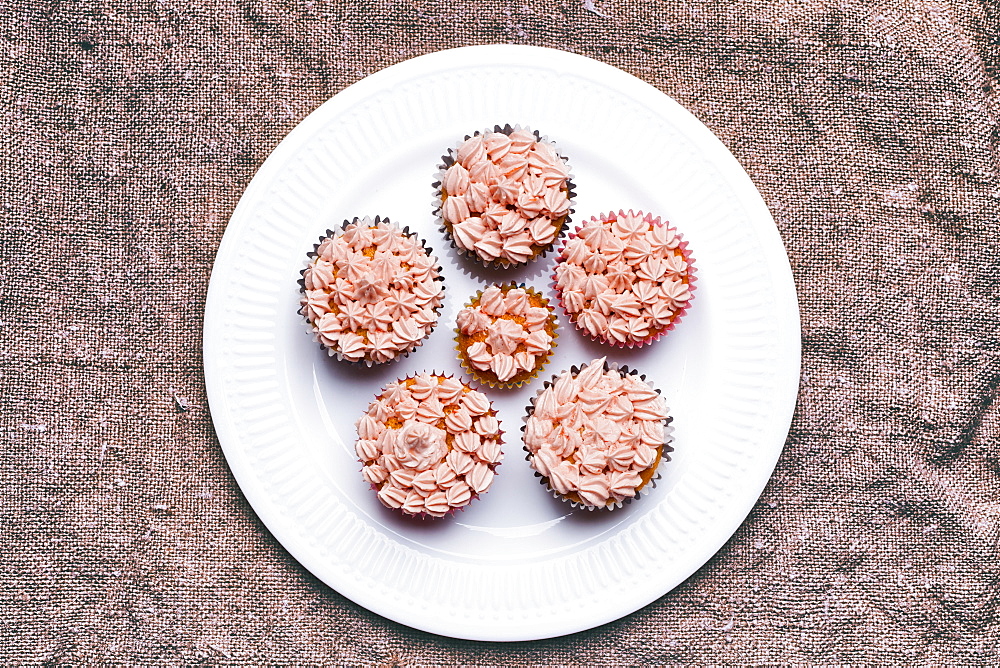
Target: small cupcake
372	292
504	196
505	335
625	279
429	444
596	435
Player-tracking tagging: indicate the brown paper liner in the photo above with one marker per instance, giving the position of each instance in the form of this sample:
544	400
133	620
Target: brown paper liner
682	246
448	160
519	380
333	352
648	485
493	467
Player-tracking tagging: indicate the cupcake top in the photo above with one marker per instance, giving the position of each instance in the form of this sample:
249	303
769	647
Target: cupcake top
624	278
506	196
596	435
429	444
506	331
372	291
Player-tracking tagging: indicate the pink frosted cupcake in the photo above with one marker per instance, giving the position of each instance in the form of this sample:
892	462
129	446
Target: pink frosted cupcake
504	196
429	445
505	335
371	292
596	435
625	278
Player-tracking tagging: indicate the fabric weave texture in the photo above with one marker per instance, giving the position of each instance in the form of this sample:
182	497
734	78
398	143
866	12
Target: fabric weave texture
129	132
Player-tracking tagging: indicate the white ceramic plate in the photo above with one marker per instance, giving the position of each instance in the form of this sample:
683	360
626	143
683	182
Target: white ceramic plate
517	564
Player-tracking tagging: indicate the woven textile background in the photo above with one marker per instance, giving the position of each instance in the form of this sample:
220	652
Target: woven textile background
128	131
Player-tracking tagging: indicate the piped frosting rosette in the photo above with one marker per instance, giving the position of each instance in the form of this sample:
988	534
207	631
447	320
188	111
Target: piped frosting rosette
505	335
371	292
429	444
596	434
503	196
625	279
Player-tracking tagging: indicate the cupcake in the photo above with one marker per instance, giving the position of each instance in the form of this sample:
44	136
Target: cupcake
371	292
503	196
596	435
429	444
625	279
505	335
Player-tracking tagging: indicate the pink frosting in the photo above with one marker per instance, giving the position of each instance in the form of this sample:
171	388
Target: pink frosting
393	295
623	278
506	195
510	347
411	464
594	433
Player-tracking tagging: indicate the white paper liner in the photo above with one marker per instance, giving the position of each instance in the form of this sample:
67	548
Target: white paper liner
667	448
448	160
311	329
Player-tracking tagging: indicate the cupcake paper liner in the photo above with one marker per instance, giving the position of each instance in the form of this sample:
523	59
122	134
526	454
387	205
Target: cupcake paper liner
477	375
685	253
641	491
311	329
493	467
448	160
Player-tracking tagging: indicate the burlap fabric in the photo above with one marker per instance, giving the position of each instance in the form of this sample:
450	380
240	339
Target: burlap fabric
129	131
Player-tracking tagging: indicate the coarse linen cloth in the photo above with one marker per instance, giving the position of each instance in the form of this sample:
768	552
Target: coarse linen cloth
131	128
